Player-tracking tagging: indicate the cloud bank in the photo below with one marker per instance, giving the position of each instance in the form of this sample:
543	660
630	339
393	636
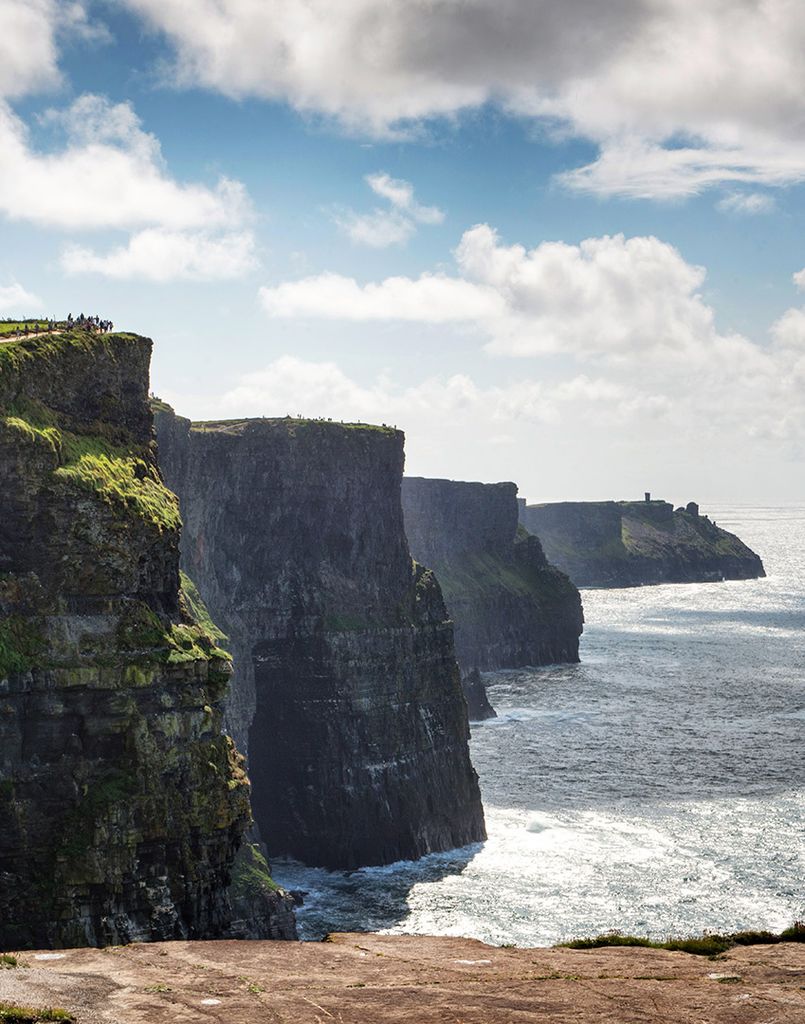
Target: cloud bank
656	366
679	97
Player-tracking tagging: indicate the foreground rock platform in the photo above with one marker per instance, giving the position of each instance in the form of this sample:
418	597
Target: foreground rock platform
376	979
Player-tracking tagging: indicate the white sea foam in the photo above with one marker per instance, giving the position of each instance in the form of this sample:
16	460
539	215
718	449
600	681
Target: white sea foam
658	787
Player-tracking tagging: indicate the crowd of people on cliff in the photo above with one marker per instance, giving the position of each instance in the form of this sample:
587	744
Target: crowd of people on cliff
91	323
23	328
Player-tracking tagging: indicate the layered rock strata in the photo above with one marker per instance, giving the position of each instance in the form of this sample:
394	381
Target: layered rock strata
346	690
122	802
510	607
632	543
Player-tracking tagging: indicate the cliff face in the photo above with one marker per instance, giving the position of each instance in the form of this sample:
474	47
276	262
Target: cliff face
509	605
122	803
630	543
346	689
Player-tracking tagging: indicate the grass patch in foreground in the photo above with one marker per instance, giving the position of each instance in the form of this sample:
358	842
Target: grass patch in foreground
702	945
27	1015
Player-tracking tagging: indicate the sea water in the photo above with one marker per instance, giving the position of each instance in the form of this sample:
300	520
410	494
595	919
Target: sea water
658	787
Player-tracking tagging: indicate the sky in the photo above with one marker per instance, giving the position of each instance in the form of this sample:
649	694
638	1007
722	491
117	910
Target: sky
558	242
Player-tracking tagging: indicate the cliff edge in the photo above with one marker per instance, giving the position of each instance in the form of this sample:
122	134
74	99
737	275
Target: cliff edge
346	691
632	543
122	802
510	607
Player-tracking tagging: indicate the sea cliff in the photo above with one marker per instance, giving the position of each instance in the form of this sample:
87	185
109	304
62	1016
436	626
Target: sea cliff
122	802
346	691
510	607
632	543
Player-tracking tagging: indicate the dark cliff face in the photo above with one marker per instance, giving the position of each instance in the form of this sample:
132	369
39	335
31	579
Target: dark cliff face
631	543
122	803
510	607
346	686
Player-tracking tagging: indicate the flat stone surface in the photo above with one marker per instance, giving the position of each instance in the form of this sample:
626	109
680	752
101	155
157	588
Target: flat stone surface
369	979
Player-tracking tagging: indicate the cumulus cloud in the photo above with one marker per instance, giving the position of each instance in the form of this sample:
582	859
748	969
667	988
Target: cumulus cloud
28	42
110	174
158	255
16	300
606	296
430	298
678	96
384	227
655	364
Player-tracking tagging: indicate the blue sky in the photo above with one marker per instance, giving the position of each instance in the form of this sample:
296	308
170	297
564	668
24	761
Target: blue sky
551	250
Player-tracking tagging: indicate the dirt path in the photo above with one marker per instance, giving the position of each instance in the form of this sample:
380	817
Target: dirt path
375	979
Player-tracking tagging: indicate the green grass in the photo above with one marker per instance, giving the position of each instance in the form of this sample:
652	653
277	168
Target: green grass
158	405
291	423
123	475
8	961
196	607
10	326
28	1015
703	945
251	877
141	631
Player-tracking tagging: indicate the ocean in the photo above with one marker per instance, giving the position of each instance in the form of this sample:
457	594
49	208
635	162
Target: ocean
657	788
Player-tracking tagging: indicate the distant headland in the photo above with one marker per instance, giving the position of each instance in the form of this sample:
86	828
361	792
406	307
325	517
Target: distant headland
634	543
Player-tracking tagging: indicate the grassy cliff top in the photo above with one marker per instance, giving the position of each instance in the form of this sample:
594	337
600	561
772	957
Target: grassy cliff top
290	424
15	351
80	397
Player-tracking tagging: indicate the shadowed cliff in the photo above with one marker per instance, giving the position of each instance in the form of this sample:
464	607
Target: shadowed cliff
346	688
631	543
510	607
121	801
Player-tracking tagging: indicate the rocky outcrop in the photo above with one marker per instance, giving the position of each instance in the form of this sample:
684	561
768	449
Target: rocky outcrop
631	543
510	607
122	802
346	690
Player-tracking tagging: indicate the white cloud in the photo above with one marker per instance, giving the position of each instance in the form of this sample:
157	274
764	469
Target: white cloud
679	96
291	385
431	298
739	397
656	366
384	227
401	195
799	279
750	203
158	255
16	300
607	296
28	51
109	175
30	31
378	229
